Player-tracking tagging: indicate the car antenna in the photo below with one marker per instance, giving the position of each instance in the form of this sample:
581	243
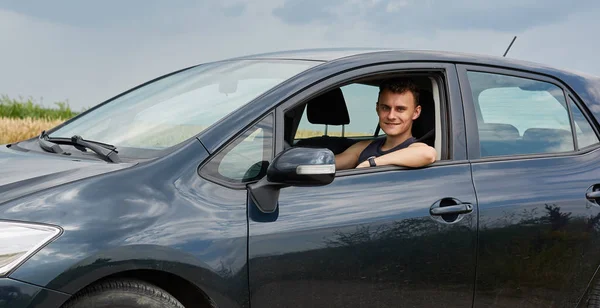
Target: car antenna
511	43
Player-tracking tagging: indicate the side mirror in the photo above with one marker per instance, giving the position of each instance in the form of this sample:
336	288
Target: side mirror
293	167
302	167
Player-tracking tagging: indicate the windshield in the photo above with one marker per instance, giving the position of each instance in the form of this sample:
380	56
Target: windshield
172	109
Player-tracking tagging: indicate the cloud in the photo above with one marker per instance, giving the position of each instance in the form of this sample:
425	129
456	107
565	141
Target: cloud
429	15
234	10
89	53
90	14
144	15
566	44
87	63
304	12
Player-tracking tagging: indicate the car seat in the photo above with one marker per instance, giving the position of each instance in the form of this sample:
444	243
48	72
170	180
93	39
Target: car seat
423	128
328	109
546	140
498	139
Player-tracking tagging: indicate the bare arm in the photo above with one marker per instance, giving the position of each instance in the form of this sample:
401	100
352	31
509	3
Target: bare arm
349	158
416	155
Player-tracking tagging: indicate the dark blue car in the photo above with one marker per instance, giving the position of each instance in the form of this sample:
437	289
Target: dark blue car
216	186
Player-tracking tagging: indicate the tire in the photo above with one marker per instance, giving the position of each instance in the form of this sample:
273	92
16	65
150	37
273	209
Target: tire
594	297
123	293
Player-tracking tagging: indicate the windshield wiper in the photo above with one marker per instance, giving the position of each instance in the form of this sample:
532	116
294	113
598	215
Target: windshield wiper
106	151
49	146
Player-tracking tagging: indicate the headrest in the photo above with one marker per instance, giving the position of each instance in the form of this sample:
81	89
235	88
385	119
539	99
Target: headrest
328	108
498	131
548	134
549	140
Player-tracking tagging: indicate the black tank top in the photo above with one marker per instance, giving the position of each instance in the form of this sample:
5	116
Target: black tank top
374	148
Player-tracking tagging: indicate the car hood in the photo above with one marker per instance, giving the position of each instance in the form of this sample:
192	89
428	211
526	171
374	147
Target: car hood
22	173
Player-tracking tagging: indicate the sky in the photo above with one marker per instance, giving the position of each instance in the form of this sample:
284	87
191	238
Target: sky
85	52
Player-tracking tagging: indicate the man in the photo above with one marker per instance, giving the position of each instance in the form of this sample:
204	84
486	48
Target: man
397	107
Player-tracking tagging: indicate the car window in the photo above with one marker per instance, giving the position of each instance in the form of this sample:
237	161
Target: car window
584	131
520	116
172	109
360	100
246	158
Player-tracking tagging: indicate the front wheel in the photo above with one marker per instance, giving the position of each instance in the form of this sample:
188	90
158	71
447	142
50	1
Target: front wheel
594	296
123	293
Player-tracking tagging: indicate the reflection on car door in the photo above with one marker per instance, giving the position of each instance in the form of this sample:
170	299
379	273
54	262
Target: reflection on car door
366	241
370	239
538	233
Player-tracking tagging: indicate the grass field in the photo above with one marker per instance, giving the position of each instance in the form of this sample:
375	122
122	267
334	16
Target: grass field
20	129
305	133
23	108
22	119
13	130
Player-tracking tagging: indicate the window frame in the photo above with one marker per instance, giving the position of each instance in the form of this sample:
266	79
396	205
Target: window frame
451	112
473	146
203	172
586	115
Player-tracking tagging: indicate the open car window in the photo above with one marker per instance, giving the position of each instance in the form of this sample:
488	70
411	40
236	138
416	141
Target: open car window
340	117
360	105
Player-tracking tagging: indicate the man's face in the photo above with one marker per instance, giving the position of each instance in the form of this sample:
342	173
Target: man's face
396	112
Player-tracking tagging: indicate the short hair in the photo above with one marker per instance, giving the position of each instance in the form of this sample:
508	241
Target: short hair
400	85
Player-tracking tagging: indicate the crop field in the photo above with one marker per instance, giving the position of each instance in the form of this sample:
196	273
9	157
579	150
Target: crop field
22	119
15	129
27	108
20	129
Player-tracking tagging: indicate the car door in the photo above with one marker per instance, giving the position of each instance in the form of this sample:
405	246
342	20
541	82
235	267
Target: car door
535	158
374	237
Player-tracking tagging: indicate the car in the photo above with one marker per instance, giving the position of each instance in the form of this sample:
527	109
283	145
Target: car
216	186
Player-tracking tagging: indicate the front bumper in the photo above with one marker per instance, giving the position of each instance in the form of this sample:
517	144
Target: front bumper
16	294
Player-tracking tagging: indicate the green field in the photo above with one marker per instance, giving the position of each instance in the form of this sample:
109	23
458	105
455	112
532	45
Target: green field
24	118
23	108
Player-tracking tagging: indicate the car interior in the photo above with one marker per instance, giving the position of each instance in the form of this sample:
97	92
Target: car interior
504	139
330	110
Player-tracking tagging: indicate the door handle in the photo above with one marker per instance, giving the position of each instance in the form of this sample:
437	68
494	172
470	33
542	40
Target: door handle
593	195
461	208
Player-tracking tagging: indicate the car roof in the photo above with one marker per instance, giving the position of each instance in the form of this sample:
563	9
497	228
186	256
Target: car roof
373	54
333	61
319	54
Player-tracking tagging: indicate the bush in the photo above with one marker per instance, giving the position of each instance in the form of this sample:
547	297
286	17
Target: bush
26	108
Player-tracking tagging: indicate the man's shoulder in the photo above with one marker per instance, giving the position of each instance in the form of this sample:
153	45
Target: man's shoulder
365	142
417	144
362	143
360	146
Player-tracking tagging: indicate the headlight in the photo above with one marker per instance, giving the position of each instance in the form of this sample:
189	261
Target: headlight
18	241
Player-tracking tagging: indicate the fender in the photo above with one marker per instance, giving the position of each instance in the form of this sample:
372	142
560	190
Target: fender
159	216
147	257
